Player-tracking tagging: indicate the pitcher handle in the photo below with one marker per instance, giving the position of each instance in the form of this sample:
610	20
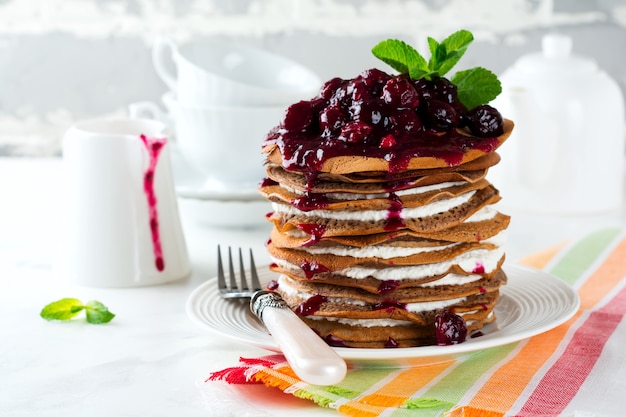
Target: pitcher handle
152	111
164	52
146	110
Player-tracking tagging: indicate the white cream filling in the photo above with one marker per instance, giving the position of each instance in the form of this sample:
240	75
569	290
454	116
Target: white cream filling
378	251
372	196
468	261
364	322
382	322
285	286
384	251
486	213
430	209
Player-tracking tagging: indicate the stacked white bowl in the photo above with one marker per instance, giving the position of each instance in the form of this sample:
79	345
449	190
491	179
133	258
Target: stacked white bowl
222	101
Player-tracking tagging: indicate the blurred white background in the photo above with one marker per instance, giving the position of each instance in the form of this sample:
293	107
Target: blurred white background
65	60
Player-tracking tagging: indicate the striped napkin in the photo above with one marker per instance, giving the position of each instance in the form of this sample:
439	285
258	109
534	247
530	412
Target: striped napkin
577	369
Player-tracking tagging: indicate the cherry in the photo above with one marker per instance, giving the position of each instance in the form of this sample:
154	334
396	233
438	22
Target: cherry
441	116
450	329
332	118
484	121
272	285
406	121
374	79
445	91
355	132
425	89
330	87
387	142
358	90
298	116
369	111
400	93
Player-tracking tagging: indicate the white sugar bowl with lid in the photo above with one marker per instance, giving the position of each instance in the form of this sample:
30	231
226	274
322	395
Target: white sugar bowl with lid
566	154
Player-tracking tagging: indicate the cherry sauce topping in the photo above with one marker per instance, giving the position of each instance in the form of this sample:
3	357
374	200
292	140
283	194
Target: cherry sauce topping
310	201
311	179
391	343
312	305
312	268
394	219
385	287
383	116
316	231
479	268
389	305
272	285
334	341
267	182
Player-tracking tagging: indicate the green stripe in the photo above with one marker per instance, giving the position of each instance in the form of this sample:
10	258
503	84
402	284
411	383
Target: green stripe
353	385
360	380
451	388
583	254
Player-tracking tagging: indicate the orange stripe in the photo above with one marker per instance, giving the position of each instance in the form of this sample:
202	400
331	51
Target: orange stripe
606	277
356	409
472	412
540	260
396	392
517	373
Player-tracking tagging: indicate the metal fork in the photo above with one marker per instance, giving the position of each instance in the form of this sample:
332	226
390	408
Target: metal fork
235	291
308	355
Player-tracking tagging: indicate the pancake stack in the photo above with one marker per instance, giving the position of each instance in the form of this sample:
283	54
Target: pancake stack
385	232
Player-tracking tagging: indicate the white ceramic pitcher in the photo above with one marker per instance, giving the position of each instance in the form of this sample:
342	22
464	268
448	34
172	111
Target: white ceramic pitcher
566	154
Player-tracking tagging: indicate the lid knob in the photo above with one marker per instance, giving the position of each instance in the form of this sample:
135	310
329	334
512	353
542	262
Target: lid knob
556	45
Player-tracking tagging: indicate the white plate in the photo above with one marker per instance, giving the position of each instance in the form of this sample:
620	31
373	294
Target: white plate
531	303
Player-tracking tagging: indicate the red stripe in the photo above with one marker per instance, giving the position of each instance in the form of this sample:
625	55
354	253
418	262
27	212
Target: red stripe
561	383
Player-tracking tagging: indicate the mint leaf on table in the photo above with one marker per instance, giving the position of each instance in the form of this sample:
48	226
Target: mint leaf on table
63	309
98	313
476	86
68	308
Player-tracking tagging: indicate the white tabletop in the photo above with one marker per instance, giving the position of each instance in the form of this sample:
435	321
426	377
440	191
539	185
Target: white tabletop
151	359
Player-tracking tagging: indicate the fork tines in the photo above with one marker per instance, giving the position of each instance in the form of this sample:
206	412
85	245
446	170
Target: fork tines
235	289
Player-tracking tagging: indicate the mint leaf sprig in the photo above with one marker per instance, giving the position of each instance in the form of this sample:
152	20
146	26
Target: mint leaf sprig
68	308
475	86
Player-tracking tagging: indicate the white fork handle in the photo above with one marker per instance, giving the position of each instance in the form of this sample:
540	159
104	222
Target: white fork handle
308	355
